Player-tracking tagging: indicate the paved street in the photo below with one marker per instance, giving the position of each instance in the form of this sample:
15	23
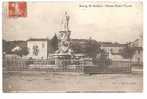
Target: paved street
75	82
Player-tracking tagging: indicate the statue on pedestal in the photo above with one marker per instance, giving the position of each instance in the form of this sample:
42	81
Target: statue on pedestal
64	37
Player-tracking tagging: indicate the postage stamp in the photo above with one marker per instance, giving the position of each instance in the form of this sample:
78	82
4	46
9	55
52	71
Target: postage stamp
17	9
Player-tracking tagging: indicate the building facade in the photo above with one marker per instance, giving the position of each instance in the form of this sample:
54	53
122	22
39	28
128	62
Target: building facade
38	48
138	53
113	50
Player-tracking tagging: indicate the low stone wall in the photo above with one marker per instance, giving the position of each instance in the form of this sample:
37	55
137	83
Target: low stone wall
115	67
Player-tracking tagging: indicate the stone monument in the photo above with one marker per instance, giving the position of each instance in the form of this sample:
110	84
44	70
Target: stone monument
64	37
64	52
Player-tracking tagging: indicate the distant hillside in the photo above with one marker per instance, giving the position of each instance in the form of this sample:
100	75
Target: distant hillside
9	45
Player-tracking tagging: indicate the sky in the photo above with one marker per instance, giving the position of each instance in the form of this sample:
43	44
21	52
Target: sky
102	23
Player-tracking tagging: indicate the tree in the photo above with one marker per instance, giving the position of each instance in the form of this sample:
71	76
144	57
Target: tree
128	52
54	42
21	51
102	59
7	46
93	48
4	45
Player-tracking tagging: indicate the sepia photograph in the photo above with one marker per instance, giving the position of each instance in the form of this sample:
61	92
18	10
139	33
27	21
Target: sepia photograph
72	47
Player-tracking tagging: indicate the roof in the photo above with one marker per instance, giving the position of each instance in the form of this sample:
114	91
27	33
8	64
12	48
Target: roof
37	39
136	43
17	48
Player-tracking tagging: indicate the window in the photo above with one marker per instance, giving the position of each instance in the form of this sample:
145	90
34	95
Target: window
43	45
35	50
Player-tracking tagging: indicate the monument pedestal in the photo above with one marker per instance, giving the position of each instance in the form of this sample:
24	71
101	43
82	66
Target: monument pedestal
62	60
63	54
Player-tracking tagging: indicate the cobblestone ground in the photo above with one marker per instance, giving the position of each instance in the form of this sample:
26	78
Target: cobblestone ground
71	82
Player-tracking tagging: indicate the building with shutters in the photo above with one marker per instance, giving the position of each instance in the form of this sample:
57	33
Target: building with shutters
38	48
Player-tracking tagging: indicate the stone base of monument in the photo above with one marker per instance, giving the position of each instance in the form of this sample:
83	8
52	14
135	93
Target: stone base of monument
62	60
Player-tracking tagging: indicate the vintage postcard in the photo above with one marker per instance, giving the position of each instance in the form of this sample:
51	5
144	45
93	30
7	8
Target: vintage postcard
72	46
